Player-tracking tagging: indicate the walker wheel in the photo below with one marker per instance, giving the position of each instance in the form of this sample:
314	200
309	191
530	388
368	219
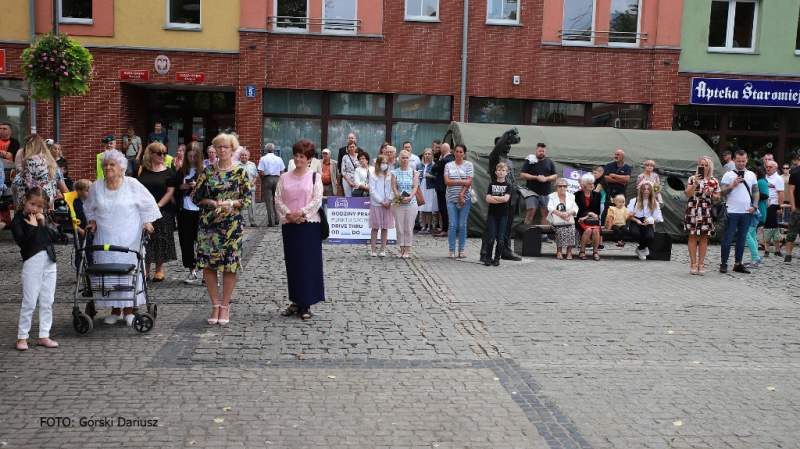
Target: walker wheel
82	324
143	324
90	309
152	309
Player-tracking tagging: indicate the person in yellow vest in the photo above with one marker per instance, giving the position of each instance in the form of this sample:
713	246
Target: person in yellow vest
111	144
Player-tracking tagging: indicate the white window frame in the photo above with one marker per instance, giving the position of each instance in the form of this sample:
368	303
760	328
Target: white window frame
638	30
183	26
297	30
729	48
797	50
73	20
420	17
591	31
502	21
352	32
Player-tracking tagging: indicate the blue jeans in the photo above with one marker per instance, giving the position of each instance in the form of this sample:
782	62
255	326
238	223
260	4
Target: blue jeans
740	222
458	222
497	230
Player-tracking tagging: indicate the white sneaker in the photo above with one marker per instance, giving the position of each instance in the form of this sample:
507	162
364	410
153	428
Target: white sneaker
382	254
129	319
111	319
373	254
647	251
640	254
191	279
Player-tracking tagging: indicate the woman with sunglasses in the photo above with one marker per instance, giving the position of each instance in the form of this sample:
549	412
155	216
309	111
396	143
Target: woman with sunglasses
159	180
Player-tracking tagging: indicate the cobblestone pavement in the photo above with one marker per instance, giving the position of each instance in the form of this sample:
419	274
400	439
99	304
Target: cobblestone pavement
426	352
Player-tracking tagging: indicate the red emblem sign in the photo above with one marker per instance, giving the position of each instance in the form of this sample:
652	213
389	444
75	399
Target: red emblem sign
134	74
190	77
2	62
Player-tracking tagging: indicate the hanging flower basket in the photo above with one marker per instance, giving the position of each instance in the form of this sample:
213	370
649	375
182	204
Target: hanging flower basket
57	61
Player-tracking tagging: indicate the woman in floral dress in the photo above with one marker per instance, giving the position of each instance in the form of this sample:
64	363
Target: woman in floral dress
222	192
701	191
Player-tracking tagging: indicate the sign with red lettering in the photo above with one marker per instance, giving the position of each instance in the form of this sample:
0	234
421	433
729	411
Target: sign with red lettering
134	74
2	62
190	76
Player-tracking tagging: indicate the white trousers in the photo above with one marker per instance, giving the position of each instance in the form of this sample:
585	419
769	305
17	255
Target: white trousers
404	217
38	284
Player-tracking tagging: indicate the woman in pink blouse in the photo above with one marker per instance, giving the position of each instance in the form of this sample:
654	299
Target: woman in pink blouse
298	198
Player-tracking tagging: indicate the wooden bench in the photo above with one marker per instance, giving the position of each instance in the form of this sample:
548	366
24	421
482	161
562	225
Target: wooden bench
528	242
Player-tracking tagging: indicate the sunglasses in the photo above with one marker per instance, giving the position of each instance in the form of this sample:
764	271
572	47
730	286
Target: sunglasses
785	168
560	186
160	153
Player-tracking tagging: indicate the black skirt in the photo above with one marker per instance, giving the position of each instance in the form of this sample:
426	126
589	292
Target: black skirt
302	251
161	247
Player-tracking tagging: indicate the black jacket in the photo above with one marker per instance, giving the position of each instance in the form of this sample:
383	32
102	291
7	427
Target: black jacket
594	204
438	170
34	239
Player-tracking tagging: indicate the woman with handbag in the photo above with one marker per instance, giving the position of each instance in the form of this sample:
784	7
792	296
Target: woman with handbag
298	198
561	212
405	185
349	165
702	190
589	202
362	175
644	213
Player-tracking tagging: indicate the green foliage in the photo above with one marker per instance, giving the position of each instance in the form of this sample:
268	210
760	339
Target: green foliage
57	62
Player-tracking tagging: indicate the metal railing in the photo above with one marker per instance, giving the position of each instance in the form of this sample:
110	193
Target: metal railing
327	24
578	35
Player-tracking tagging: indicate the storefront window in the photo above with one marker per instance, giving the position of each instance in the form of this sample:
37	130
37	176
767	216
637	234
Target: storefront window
791	148
755	146
558	113
422	107
421	135
495	110
793	121
623	116
754	120
697	119
301	102
285	131
14	107
370	134
344	103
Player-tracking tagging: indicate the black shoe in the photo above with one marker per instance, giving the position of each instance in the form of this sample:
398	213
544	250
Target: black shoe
723	268
766	253
496	262
778	254
487	262
510	255
601	246
787	259
739	268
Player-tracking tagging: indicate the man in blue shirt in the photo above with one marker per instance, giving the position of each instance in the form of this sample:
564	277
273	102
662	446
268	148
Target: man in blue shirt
617	174
159	134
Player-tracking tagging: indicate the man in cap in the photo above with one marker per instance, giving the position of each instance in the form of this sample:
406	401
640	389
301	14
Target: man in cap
727	158
110	144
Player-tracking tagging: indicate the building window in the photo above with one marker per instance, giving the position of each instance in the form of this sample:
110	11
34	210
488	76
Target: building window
578	24
75	11
183	13
502	11
292	15
732	26
558	113
14	107
339	17
424	10
326	118
624	24
514	111
797	38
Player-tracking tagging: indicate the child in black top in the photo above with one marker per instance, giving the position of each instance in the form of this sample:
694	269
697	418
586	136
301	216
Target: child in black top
82	189
35	236
497	197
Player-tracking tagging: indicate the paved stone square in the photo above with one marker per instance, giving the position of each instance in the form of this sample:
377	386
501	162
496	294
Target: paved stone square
427	352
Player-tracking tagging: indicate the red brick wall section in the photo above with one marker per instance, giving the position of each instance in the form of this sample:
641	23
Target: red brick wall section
252	70
110	109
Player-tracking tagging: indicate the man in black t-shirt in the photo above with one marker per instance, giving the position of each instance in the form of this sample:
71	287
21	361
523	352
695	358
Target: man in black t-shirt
539	171
794	219
497	197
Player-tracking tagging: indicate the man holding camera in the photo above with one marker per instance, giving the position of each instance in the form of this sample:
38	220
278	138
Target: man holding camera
741	187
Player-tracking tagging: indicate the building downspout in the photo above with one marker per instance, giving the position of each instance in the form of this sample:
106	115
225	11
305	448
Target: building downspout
32	9
464	31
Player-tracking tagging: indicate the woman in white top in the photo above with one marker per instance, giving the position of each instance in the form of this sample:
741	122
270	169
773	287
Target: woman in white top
458	179
562	205
644	213
348	168
362	173
427	183
380	204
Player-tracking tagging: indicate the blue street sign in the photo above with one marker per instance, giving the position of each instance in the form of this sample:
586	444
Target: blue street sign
249	91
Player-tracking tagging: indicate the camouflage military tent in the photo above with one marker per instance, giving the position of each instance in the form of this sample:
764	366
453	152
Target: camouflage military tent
674	152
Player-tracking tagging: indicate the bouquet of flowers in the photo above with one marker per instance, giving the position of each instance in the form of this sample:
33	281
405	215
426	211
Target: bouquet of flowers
57	61
397	199
656	187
